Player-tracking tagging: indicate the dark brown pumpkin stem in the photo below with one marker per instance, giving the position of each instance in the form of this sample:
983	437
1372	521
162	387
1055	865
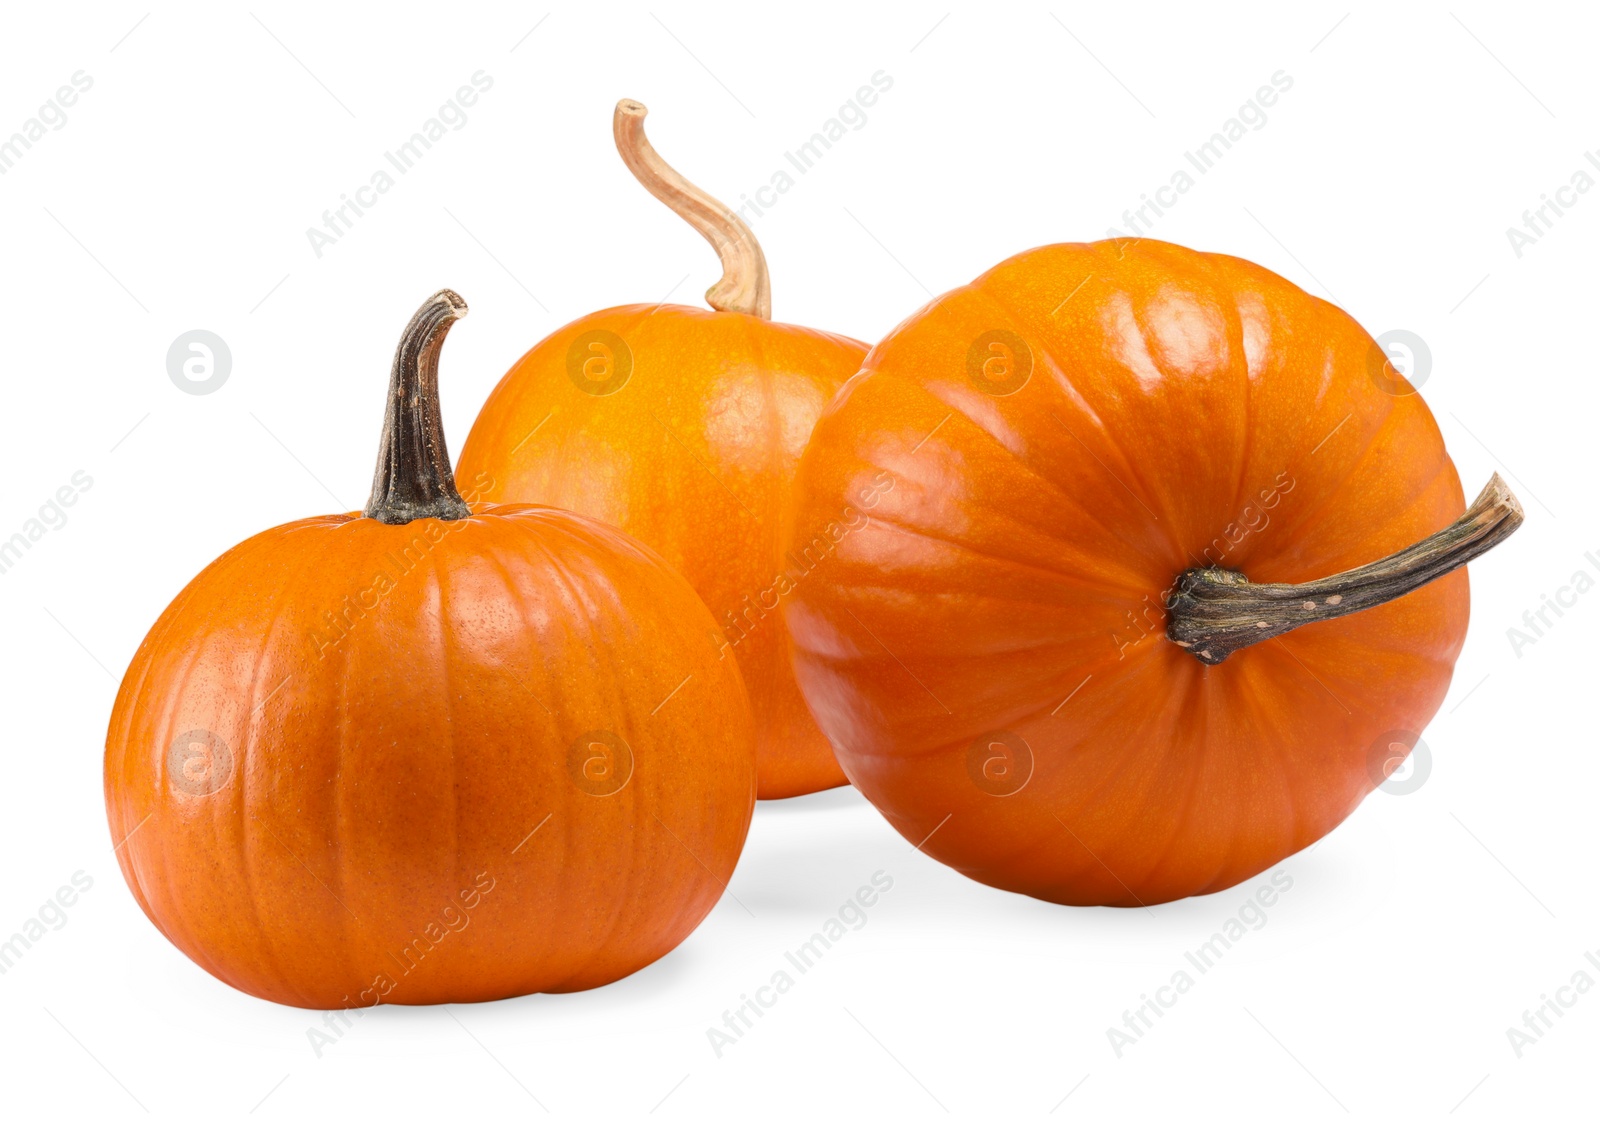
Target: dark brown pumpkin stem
1214	611
414	478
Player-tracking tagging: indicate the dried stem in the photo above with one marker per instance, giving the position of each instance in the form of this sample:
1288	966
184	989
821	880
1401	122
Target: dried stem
1215	611
414	478
744	286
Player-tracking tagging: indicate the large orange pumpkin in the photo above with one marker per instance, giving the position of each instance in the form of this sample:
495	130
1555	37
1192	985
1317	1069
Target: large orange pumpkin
1029	472
430	752
682	427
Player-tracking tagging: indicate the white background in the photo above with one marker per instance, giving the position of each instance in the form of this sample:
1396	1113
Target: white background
177	196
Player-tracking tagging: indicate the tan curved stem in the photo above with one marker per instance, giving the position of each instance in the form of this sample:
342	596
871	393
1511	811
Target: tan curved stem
744	286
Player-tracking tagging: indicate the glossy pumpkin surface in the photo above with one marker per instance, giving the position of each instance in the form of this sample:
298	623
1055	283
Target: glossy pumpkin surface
683	428
1028	464
329	754
432	752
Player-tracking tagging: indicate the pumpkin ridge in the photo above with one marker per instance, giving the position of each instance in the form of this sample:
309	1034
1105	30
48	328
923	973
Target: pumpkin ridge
1247	391
1134	589
444	662
535	532
1161	528
955	409
1216	296
1049	826
1115	771
1200	689
1390	409
343	824
1391	418
1204	745
271	964
1398	529
940	306
123	708
166	725
601	936
778	505
1036	329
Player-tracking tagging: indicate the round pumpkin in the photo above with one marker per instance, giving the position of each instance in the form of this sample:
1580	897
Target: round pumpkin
1094	489
431	752
683	427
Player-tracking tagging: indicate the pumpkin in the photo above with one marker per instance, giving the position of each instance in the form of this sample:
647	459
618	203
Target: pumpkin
1088	495
432	751
683	427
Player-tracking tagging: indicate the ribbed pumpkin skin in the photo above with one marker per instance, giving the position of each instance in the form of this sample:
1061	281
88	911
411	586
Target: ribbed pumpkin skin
1012	577
371	838
694	455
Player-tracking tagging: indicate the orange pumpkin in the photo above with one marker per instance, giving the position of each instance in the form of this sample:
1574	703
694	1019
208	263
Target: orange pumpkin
1074	488
682	427
430	752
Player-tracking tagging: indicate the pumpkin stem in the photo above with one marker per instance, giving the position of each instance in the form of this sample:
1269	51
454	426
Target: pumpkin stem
1214	611
414	478
744	286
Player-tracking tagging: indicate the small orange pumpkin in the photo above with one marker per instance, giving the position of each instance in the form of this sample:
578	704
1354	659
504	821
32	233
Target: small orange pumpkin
1083	482
430	752
683	427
